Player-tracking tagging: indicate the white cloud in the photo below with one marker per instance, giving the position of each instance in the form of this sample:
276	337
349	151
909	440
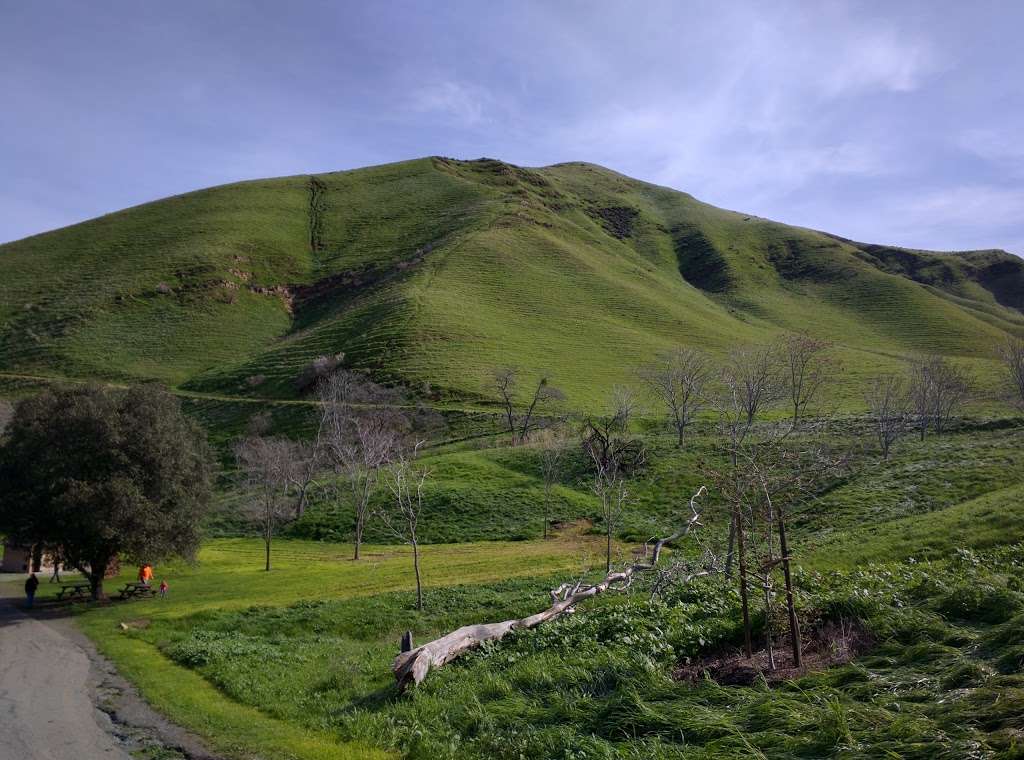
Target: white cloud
874	59
978	206
1001	146
462	103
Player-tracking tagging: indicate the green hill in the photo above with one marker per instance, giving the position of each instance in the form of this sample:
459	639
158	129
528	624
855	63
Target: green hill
434	271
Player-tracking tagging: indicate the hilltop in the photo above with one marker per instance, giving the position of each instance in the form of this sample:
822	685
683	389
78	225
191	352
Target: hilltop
434	271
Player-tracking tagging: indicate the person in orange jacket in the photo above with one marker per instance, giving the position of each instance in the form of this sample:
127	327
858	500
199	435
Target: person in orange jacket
145	574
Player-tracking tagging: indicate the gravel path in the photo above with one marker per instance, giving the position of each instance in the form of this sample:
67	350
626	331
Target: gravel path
51	683
46	708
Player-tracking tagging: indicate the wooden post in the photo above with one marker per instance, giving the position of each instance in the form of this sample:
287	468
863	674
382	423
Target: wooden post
794	623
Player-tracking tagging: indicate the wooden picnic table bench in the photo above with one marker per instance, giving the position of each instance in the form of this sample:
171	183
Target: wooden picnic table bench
73	591
137	590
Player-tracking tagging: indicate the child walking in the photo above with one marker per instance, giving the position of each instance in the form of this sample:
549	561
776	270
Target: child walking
163	588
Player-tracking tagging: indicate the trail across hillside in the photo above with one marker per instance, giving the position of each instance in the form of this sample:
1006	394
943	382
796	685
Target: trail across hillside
46	710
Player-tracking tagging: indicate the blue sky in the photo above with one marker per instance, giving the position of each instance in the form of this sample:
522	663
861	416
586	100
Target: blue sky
885	122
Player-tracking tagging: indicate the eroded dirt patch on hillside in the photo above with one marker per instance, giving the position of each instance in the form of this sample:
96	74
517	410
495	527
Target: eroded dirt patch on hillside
832	644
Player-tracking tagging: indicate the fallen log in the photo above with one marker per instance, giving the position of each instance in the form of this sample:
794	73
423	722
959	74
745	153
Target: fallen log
412	667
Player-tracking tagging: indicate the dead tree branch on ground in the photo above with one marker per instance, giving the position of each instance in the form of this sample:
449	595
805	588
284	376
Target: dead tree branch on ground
412	667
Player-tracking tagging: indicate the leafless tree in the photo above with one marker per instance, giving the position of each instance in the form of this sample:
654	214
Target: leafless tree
887	410
552	461
677	379
521	423
269	466
751	380
614	456
938	389
406	479
361	428
625	406
1012	355
763	476
807	366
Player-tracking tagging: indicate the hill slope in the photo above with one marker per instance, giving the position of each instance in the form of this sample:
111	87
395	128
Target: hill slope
434	271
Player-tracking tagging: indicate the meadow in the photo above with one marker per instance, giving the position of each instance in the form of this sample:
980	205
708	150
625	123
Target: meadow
917	560
432	274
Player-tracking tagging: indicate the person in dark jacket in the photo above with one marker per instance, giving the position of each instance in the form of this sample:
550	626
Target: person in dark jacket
31	584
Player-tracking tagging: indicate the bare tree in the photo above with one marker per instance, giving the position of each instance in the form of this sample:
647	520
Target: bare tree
552	461
305	466
361	427
751	380
887	410
269	466
677	379
614	457
521	423
625	406
763	474
1012	355
938	389
807	367
406	480
506	383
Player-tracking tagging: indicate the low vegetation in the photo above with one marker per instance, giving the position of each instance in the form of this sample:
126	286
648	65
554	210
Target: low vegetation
704	533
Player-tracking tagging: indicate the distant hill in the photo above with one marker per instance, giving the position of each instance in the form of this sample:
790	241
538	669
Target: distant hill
434	271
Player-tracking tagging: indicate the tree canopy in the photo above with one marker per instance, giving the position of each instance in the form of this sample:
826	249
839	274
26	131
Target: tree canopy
104	473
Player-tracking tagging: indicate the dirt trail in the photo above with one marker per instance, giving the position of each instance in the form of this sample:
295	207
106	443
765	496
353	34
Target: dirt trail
51	681
45	706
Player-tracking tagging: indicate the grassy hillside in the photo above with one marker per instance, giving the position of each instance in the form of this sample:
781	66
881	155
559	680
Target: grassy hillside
434	271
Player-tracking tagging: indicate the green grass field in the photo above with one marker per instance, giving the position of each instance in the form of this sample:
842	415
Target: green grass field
228	579
919	553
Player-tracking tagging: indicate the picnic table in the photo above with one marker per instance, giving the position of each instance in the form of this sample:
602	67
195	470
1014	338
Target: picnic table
73	591
137	591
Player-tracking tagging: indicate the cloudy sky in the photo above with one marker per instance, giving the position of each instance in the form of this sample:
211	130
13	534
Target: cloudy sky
885	122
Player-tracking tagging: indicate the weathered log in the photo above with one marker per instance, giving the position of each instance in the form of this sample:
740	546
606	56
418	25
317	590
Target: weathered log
412	667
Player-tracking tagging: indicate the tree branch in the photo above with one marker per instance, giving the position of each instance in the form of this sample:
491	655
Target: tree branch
412	667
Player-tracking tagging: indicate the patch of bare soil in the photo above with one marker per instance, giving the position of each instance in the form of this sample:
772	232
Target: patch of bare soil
833	643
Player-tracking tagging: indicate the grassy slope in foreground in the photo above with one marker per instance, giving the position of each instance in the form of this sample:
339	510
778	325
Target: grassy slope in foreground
229	576
434	271
322	667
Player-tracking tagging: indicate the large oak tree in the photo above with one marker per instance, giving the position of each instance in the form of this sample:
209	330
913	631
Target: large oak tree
103	473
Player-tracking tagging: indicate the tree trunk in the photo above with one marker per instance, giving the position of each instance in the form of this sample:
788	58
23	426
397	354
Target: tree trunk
266	540
680	429
416	566
730	548
412	667
97	569
608	547
794	623
547	491
741	551
359	535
